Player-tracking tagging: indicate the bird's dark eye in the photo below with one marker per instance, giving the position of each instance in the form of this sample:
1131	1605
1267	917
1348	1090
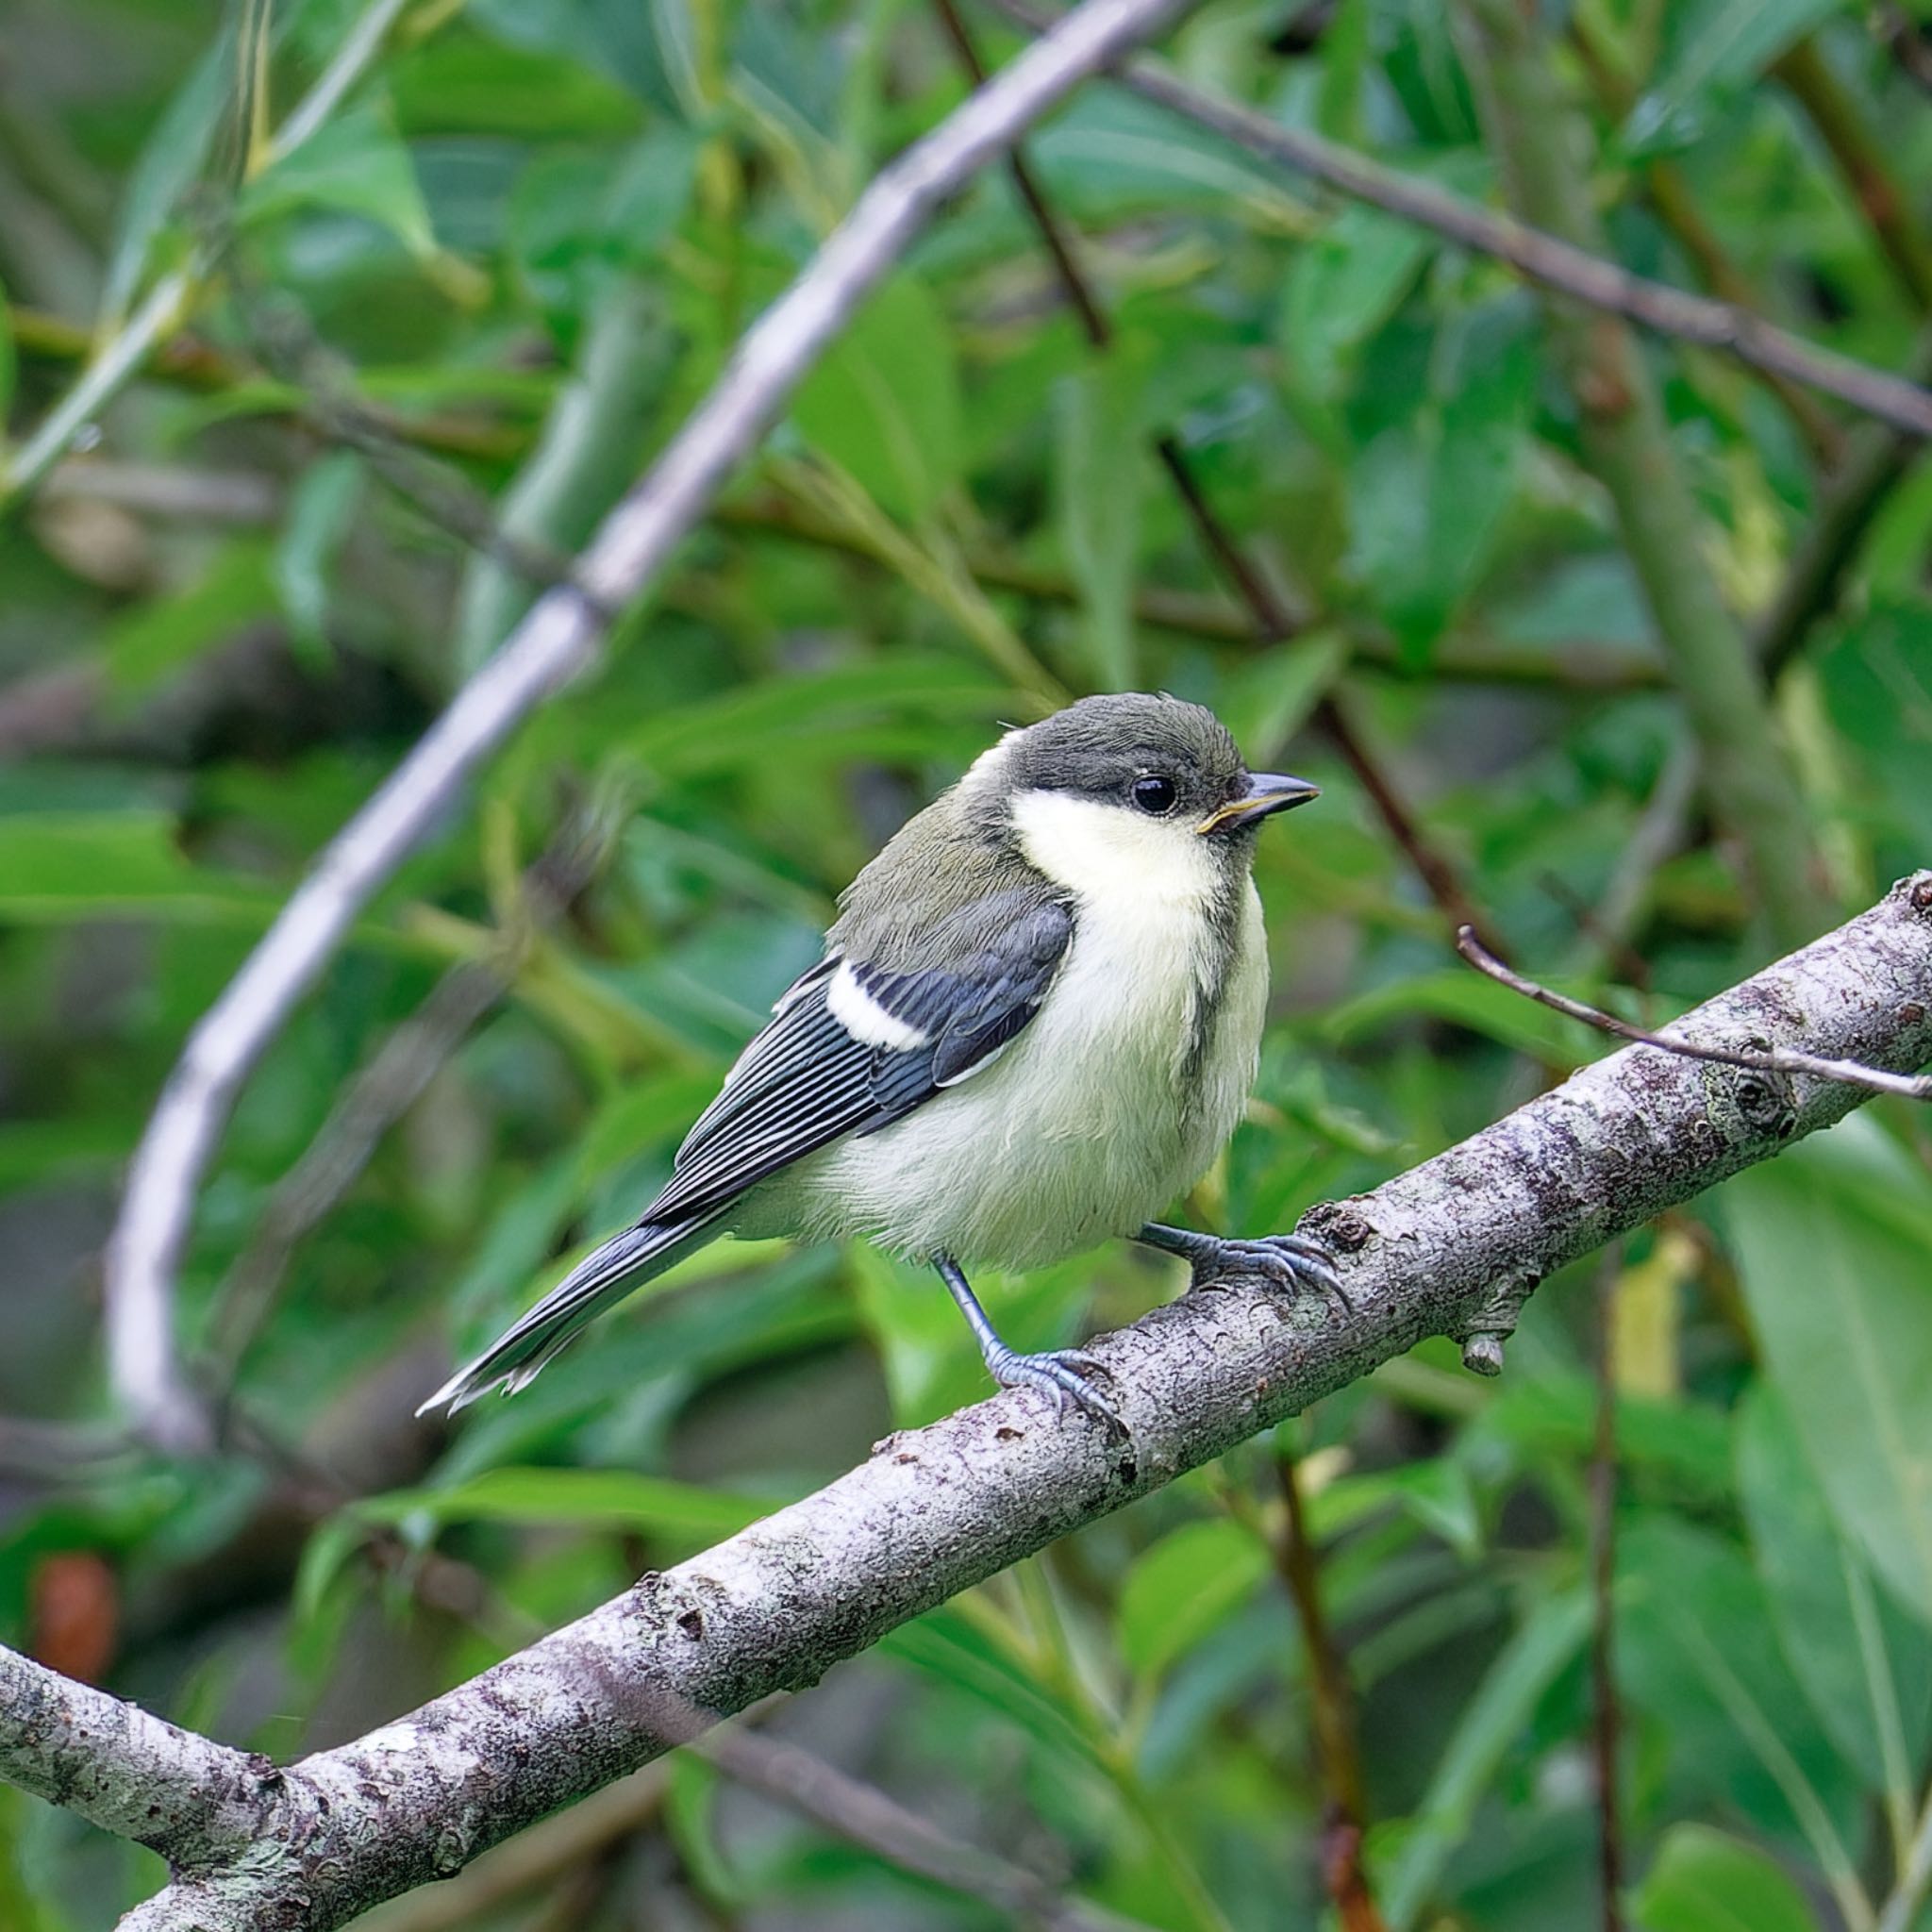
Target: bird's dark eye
1153	796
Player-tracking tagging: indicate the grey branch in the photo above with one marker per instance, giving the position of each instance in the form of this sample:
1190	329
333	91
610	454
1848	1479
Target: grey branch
555	643
1556	264
138	1775
1451	1247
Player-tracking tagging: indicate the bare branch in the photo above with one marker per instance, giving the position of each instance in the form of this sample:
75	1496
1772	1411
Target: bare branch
555	643
182	1794
1451	1247
1777	1060
1571	271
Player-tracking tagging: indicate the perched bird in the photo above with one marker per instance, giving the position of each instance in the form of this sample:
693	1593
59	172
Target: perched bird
1035	1025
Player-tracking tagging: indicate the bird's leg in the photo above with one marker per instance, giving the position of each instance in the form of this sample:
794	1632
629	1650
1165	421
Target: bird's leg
1064	1373
1287	1261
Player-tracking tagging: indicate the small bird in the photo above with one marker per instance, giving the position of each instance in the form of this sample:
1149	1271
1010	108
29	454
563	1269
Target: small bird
1035	1025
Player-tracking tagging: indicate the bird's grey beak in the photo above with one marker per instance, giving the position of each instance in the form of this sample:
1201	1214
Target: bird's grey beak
1267	792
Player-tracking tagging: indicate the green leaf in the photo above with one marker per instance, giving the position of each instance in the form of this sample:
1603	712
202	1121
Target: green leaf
1427	495
1099	470
9	363
884	402
170	159
461	83
1865	1669
588	450
1469	1000
1833	1245
946	1645
575	219
1491	1725
1343	285
1186	1586
321	511
1265	701
165	634
751	723
1698	1655
582	1498
1711	50
1703	1880
1876	674
353	164
60	867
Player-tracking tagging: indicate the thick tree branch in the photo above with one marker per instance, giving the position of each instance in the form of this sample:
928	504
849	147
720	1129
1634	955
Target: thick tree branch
131	1774
1530	251
1451	1247
555	643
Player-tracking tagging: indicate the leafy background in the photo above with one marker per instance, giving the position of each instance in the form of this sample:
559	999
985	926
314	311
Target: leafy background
495	273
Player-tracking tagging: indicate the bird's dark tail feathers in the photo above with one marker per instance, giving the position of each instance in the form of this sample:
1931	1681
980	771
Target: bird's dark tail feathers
606	1275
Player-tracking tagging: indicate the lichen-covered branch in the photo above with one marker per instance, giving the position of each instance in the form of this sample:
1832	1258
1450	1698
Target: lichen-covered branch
1451	1247
140	1776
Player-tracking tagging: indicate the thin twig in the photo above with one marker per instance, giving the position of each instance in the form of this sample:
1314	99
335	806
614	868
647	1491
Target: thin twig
555	643
1604	1709
1757	1059
1541	256
1338	1751
870	1818
1269	615
1882	198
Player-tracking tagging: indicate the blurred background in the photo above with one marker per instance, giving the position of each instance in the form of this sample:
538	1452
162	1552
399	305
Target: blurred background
331	325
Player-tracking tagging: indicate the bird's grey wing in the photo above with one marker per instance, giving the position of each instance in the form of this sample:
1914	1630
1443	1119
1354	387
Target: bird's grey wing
854	1046
804	1081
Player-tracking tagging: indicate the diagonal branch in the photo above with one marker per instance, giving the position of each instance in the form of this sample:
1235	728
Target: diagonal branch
182	1794
1451	1247
555	643
1530	251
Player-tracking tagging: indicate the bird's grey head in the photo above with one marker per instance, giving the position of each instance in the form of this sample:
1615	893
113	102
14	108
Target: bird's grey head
1160	759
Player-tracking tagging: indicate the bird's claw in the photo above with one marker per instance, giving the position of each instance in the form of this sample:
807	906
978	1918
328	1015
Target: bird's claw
1288	1262
1063	1374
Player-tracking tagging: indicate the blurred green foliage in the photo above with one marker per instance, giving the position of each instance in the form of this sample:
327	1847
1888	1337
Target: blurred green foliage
520	245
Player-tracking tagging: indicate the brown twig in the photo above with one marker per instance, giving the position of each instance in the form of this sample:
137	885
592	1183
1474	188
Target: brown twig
1337	1750
1270	620
870	1818
1877	461
1780	1060
1604	1710
1883	200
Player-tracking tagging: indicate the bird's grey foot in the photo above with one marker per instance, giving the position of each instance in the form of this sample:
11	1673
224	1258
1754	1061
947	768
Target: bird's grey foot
1290	1263
1064	1373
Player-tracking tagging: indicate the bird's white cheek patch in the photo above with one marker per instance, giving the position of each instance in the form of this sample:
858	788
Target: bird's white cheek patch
863	1016
1109	854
